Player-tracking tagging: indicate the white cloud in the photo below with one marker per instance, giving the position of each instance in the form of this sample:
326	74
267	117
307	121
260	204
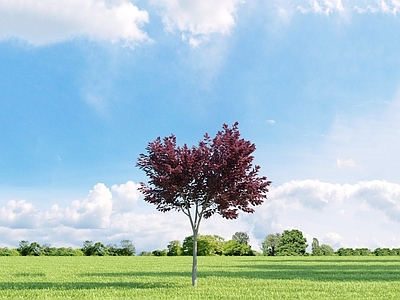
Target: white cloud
342	215
125	196
328	7
333	239
49	21
347	163
325	7
272	122
92	212
197	20
19	214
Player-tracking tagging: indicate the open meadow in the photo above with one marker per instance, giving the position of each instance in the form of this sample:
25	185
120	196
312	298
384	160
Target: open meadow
218	278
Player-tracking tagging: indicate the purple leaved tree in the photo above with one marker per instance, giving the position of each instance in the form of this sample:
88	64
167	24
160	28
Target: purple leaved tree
217	176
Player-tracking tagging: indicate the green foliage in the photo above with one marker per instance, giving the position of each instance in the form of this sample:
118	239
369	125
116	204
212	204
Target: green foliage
206	245
174	248
361	252
235	248
145	253
32	249
160	252
345	252
126	249
9	252
315	248
326	250
96	249
292	242
241	237
270	243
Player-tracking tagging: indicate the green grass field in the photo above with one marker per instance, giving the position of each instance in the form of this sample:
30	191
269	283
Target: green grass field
218	278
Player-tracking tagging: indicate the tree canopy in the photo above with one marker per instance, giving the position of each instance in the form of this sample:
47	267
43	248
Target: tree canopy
216	176
269	245
241	237
292	242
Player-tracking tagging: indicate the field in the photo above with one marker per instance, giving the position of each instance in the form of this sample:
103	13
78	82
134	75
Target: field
218	278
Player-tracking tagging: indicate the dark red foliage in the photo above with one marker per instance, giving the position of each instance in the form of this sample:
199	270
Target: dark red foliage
217	176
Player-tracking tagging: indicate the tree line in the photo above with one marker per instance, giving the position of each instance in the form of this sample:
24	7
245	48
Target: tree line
292	242
288	243
89	248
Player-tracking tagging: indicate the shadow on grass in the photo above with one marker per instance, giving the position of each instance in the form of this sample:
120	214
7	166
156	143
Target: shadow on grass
82	285
281	270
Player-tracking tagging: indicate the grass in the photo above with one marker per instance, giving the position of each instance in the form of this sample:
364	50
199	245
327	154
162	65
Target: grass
218	278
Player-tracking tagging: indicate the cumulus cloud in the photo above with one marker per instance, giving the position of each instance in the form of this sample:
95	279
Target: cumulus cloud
125	196
198	19
336	214
48	21
93	212
19	214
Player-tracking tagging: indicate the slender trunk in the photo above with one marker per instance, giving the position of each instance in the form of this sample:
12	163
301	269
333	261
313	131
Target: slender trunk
194	265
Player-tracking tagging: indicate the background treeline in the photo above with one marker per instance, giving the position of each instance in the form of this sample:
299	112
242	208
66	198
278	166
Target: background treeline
288	243
292	242
126	248
208	245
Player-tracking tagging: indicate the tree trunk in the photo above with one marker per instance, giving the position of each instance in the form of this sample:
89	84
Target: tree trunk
194	265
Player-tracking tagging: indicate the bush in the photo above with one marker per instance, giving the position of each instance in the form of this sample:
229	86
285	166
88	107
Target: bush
8	252
160	252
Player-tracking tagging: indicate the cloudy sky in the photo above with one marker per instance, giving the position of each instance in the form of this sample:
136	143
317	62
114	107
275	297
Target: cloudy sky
85	85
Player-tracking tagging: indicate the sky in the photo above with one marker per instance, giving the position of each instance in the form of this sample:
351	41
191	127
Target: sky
85	85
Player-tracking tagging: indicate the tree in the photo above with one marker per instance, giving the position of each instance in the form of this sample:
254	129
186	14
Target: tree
207	245
269	245
345	251
217	176
326	250
235	248
174	248
96	249
292	242
315	248
26	249
127	248
241	237
159	252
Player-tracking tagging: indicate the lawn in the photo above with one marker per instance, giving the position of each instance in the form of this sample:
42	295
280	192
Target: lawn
218	278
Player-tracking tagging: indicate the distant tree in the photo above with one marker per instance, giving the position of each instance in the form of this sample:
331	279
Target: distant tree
292	242
217	176
270	243
145	253
127	248
174	248
395	251
160	252
326	250
382	251
32	249
206	245
96	249
113	250
241	237
345	251
8	252
23	248
235	248
362	252
315	248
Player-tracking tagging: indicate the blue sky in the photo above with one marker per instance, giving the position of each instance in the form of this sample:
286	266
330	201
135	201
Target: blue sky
85	85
